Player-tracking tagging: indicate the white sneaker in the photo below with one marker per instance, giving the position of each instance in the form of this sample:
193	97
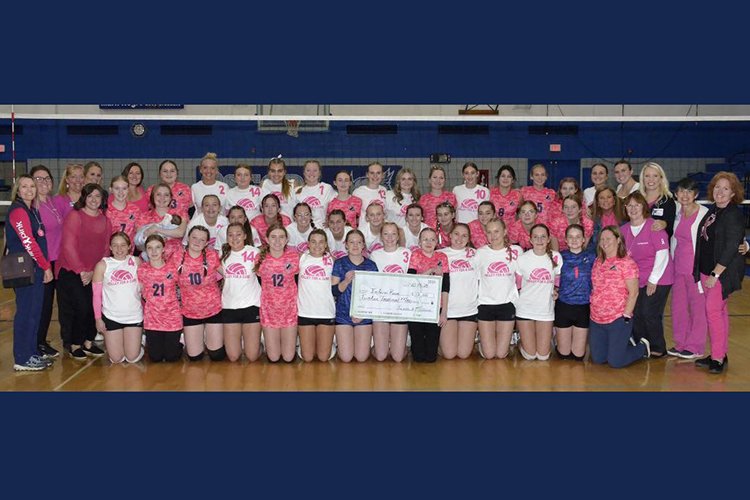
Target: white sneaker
99	337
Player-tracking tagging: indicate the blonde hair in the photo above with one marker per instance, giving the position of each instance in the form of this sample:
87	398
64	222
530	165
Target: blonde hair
398	195
63	188
663	185
211	157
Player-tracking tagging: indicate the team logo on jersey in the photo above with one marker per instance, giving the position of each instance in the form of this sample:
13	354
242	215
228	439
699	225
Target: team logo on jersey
381	192
131	217
540	275
375	246
313	202
315	272
302	247
337	254
393	268
469	205
279	195
499	268
403	209
235	270
121	277
460	265
247	204
211	242
169	276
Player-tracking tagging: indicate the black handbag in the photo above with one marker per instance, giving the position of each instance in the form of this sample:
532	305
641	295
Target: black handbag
17	269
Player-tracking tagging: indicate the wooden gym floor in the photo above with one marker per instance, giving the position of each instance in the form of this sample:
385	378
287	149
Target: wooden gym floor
474	374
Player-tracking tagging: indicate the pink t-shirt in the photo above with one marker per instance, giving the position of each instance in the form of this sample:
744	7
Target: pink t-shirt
351	207
420	262
260	225
278	296
174	245
161	309
182	198
199	290
124	220
559	224
478	237
609	220
429	203
642	249
542	197
85	241
506	205
684	253
609	293
518	235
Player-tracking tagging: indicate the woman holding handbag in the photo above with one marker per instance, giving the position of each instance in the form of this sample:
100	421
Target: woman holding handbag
27	234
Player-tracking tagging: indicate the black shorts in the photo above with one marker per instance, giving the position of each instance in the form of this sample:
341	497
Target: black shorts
472	318
497	312
249	314
303	321
567	315
114	325
216	318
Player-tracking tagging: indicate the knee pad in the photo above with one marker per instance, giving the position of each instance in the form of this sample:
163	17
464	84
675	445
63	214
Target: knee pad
219	354
196	358
526	355
542	358
137	358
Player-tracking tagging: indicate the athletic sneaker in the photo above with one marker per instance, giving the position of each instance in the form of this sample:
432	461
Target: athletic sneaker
673	351
77	354
47	361
648	347
47	350
685	354
99	337
34	364
92	351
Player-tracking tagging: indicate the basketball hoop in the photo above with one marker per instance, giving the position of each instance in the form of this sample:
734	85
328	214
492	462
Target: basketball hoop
292	128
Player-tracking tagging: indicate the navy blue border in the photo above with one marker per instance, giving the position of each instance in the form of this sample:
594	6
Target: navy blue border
376	444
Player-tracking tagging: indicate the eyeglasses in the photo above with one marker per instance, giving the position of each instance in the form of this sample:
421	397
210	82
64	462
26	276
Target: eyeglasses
633	206
43	179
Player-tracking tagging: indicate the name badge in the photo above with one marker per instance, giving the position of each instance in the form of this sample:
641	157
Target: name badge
658	212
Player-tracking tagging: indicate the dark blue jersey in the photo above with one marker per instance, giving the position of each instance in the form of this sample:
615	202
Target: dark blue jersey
575	277
340	268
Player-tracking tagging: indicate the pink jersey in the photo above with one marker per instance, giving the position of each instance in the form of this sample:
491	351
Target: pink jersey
559	224
259	224
278	297
199	291
429	203
478	236
124	220
609	293
182	199
161	309
174	245
351	207
518	235
543	199
421	263
506	205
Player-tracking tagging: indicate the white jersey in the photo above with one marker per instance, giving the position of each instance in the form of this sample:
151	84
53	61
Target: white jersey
395	212
464	282
287	202
121	295
468	200
372	241
297	239
396	261
318	197
337	247
199	190
635	188
412	240
588	195
535	299
368	196
217	234
497	275
249	199
314	296
241	288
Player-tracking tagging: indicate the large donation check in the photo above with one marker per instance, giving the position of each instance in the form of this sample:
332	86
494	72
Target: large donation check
396	297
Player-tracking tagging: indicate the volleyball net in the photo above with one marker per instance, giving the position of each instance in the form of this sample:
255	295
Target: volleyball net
568	146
